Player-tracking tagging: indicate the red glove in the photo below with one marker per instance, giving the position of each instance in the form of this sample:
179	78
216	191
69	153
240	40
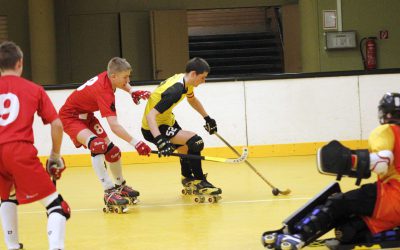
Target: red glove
55	166
140	94
142	148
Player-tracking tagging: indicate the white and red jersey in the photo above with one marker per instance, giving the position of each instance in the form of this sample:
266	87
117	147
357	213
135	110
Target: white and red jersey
20	99
94	95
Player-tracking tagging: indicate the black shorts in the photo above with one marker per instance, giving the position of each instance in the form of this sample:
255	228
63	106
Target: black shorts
165	130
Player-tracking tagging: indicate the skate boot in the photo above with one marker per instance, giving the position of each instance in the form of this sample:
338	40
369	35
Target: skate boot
187	183
281	241
204	189
21	246
114	202
128	193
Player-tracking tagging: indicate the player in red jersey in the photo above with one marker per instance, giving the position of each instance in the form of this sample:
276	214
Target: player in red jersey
22	176
97	94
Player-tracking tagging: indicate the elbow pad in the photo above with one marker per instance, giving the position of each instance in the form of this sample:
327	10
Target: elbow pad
380	161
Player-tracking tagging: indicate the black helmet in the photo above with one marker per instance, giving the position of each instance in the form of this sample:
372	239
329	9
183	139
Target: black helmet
389	108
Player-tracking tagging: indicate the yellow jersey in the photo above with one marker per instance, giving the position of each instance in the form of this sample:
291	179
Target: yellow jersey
164	99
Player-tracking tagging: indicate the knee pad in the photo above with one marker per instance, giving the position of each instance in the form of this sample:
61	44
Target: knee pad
195	144
59	206
113	153
97	145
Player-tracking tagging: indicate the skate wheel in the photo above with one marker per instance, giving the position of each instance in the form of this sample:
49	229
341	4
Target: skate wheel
269	239
202	199
211	199
184	191
117	210
286	246
197	200
189	192
104	210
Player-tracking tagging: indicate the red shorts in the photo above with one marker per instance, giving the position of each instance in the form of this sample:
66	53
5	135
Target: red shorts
73	124
21	168
387	207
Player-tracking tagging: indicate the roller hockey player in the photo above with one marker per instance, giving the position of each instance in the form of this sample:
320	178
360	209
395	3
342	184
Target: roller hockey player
367	216
84	129
160	127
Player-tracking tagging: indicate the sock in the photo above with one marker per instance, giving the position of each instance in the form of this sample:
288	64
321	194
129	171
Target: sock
116	170
56	230
9	219
195	165
185	168
55	223
101	171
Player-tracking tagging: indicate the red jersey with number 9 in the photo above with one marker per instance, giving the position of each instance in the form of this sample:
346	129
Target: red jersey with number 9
20	99
96	94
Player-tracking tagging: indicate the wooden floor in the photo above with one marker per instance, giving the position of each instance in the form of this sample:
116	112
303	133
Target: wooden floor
165	220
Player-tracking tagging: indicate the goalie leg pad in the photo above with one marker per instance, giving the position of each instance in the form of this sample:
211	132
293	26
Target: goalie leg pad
113	153
355	230
310	206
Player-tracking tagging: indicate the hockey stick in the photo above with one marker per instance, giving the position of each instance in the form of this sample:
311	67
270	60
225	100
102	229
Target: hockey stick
275	191
242	157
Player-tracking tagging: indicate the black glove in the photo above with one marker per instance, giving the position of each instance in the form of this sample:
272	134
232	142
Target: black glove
211	125
165	147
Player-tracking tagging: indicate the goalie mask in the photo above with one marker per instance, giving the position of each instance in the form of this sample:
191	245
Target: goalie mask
389	108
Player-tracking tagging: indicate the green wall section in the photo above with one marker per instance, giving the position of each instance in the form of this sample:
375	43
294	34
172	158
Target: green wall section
18	28
366	17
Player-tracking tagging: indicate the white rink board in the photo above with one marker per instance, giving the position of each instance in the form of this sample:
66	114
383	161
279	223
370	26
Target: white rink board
259	112
372	89
302	110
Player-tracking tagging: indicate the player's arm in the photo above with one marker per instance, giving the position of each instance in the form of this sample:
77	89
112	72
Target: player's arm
120	131
151	121
117	129
196	105
56	135
55	164
211	124
168	98
136	95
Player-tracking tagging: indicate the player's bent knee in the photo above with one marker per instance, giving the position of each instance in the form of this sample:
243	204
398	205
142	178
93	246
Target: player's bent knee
113	153
195	144
59	206
97	145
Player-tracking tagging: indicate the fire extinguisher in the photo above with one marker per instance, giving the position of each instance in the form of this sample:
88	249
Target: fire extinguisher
369	57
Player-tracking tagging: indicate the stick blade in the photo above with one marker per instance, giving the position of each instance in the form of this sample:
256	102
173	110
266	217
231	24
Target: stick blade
241	158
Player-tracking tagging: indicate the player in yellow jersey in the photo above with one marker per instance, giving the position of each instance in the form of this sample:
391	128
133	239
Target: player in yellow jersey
160	127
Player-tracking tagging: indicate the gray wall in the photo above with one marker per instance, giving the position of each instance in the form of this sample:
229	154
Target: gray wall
134	27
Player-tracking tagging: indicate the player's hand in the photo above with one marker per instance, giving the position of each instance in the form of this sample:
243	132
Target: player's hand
165	147
55	165
211	125
142	148
140	94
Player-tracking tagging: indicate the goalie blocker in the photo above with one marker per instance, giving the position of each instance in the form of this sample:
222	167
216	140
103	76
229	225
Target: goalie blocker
336	159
